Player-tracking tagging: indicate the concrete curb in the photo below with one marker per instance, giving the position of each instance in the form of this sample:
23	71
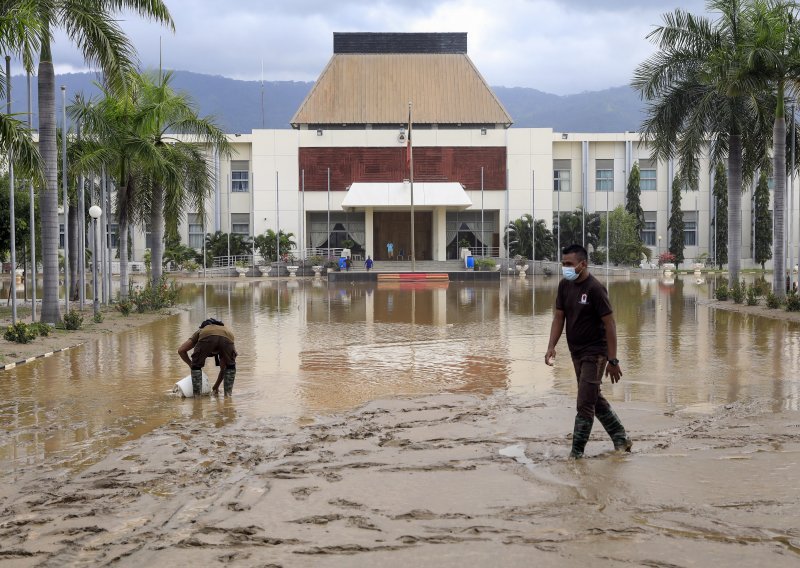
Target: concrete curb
29	359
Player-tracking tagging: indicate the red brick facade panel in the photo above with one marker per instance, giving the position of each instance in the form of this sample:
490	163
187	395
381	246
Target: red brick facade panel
348	165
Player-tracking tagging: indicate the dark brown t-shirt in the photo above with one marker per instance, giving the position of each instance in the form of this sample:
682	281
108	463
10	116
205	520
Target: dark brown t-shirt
213	340
584	304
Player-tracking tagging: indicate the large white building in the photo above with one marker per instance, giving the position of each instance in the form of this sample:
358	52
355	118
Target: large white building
342	173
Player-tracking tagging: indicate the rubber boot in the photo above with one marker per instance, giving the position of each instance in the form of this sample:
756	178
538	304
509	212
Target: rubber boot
227	380
197	382
583	429
616	430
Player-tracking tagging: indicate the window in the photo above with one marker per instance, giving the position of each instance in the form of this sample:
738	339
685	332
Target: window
562	175
113	235
60	235
240	223
647	175
604	175
690	228
195	231
771	183
240	176
649	230
148	237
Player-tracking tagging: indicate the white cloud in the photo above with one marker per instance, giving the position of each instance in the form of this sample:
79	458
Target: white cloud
558	46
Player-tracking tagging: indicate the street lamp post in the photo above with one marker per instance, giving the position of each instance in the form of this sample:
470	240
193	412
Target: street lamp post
94	213
658	249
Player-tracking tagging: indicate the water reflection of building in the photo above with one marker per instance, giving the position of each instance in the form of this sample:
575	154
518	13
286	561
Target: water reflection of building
392	341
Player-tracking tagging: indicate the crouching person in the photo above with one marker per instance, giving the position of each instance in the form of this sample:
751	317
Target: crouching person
213	339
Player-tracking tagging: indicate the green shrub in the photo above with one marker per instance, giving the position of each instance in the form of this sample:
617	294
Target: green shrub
20	332
722	293
738	292
597	257
773	301
752	295
124	306
762	286
485	264
792	302
73	320
41	328
150	298
98	317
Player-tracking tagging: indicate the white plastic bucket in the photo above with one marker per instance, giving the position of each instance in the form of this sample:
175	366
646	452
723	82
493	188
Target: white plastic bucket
184	386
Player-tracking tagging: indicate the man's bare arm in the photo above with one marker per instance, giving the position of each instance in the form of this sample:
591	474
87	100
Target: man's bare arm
184	349
556	328
613	371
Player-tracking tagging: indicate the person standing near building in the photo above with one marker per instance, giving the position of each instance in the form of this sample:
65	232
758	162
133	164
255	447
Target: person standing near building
212	339
582	303
368	263
390	249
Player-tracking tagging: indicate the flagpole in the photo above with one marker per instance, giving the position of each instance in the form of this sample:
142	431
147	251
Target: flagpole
483	237
411	180
328	240
533	220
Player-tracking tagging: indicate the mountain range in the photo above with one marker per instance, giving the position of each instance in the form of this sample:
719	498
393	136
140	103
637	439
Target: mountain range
237	105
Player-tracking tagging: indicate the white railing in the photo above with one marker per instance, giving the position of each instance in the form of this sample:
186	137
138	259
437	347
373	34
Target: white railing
486	252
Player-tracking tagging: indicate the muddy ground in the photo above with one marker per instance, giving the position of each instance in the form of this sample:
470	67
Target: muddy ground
446	480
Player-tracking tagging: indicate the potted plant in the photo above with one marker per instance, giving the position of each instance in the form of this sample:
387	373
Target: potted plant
485	264
521	263
316	265
463	245
241	267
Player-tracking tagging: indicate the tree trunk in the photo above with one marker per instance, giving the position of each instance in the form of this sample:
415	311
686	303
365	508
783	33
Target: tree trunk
734	207
75	249
122	220
123	258
49	193
157	234
779	200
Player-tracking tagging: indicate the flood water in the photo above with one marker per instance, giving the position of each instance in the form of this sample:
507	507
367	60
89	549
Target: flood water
306	348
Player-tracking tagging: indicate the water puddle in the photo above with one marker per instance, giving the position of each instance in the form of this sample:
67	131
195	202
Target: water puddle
308	349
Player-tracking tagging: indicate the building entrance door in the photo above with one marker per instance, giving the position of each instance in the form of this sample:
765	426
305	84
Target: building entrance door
395	227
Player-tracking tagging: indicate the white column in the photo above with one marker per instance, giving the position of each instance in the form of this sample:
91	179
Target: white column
369	230
440	233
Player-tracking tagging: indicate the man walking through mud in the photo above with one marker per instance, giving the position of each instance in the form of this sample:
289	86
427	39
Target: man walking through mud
213	339
582	303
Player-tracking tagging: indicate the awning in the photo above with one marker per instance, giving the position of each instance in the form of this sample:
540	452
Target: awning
398	195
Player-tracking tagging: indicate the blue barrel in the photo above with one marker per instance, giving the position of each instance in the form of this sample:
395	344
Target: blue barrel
343	263
469	261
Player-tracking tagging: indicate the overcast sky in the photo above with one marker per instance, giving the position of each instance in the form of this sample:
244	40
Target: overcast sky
556	46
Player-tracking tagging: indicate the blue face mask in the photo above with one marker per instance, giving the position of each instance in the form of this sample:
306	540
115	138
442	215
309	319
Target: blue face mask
569	273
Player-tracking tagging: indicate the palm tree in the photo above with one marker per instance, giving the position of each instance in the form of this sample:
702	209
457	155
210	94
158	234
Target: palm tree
176	174
697	87
518	237
93	26
775	57
109	140
19	36
571	224
265	244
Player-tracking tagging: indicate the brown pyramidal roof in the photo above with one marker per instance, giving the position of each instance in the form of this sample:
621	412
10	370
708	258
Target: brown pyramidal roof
372	77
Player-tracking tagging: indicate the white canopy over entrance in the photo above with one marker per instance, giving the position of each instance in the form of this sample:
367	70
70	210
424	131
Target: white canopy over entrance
398	195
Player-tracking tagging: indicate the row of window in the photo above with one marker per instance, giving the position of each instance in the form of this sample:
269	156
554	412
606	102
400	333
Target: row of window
604	175
650	238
